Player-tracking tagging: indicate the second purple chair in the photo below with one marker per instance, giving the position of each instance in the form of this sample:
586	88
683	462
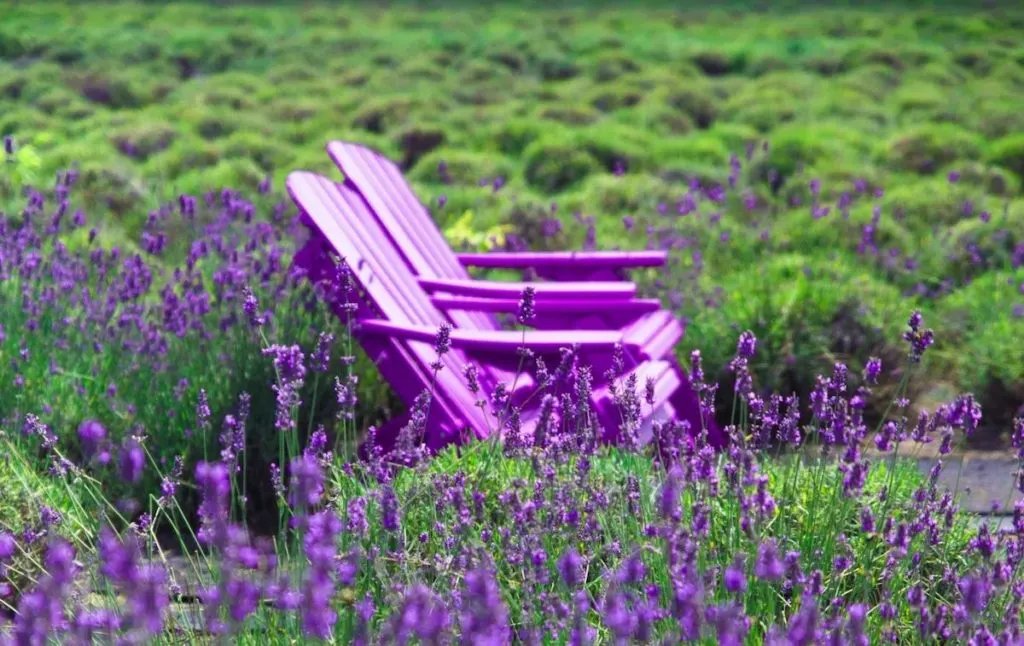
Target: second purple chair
397	324
589	303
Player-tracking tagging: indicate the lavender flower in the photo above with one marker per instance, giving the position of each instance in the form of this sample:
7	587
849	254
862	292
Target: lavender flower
306	482
132	460
768	566
920	340
527	310
92	435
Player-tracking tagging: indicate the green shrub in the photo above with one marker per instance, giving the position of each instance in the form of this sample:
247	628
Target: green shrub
762	109
825	64
835	177
614	145
801	309
657	119
268	155
418	140
614	97
925	149
795	84
797	230
919	98
735	136
65	104
508	58
463	168
143	140
534	223
714	62
794	146
981	334
236	174
877	81
611	67
294	109
213	124
975	246
114	89
994	180
695	102
997	118
937	74
185	155
699	148
683	171
512	136
555	163
852	106
1008	152
479	71
570	114
609	195
380	115
934	202
556	67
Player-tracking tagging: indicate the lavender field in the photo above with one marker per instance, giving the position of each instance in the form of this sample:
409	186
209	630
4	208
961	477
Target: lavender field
188	429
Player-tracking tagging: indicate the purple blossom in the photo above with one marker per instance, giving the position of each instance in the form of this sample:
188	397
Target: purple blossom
768	566
131	460
527	310
307	482
92	435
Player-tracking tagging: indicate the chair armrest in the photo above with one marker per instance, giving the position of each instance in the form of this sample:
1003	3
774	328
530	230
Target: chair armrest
567	259
511	305
594	290
502	341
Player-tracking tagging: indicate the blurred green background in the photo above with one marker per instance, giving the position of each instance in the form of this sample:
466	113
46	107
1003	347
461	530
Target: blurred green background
151	100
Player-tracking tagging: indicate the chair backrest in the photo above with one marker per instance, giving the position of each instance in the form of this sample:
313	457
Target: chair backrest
405	220
341	217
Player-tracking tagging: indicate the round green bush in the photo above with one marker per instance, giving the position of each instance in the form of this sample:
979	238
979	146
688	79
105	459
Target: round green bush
416	141
608	98
794	146
381	115
929	203
610	67
924	149
628	195
512	136
994	180
265	153
982	335
554	164
556	67
144	139
462	167
658	119
1008	152
797	306
796	230
570	114
695	102
614	145
699	147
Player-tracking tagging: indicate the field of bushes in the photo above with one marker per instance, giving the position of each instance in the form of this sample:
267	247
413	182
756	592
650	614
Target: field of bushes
841	190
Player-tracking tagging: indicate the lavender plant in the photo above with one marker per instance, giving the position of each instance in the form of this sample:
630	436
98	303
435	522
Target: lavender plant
548	538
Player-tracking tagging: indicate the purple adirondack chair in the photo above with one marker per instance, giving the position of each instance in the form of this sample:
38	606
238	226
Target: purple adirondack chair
397	322
412	230
425	250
